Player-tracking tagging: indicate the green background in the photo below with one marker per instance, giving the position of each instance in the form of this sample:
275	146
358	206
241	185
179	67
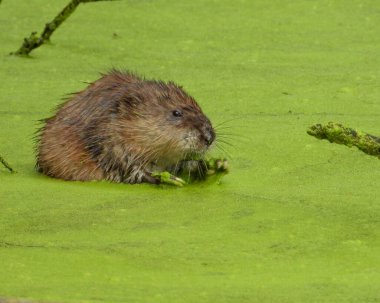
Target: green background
296	220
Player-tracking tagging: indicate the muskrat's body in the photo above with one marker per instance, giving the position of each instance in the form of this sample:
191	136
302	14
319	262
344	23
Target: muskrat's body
122	128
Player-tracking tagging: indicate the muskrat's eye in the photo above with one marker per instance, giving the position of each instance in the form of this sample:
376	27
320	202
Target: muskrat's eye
177	113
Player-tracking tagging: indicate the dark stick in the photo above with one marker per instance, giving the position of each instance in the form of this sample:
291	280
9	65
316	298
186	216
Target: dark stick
2	160
337	133
35	41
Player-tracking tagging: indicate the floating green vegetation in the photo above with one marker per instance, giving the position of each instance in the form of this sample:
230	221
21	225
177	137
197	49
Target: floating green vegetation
293	222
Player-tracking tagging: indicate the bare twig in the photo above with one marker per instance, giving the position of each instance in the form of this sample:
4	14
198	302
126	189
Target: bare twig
35	40
5	163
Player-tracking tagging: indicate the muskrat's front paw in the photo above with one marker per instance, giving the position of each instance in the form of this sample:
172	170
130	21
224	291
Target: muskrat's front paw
216	166
168	178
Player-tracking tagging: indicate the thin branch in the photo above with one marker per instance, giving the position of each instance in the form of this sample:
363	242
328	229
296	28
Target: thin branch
5	163
337	133
35	40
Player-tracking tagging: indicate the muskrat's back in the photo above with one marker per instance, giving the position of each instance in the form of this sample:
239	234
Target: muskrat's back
122	128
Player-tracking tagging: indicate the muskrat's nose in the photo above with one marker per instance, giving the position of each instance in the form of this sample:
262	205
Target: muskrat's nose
209	136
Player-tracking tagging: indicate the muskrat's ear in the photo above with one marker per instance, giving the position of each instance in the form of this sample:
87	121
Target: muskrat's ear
127	103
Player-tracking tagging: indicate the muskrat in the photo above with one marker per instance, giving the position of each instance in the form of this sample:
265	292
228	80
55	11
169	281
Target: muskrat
124	128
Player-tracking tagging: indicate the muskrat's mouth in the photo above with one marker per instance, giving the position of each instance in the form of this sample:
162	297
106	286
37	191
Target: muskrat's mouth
193	147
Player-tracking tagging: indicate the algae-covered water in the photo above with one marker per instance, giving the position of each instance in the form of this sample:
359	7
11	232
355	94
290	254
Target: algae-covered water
296	220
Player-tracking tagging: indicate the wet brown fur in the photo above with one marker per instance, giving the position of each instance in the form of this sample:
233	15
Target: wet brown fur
121	128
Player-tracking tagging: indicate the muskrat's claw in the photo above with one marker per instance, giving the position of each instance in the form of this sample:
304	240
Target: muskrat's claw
168	178
215	166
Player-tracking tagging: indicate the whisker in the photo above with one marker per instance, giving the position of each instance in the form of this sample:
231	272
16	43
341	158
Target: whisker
226	121
223	150
204	167
234	137
226	142
228	135
227	127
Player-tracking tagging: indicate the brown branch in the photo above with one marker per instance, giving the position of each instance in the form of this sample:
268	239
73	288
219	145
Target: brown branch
35	41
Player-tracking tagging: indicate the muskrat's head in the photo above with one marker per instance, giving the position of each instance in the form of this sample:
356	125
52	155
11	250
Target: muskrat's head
167	122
